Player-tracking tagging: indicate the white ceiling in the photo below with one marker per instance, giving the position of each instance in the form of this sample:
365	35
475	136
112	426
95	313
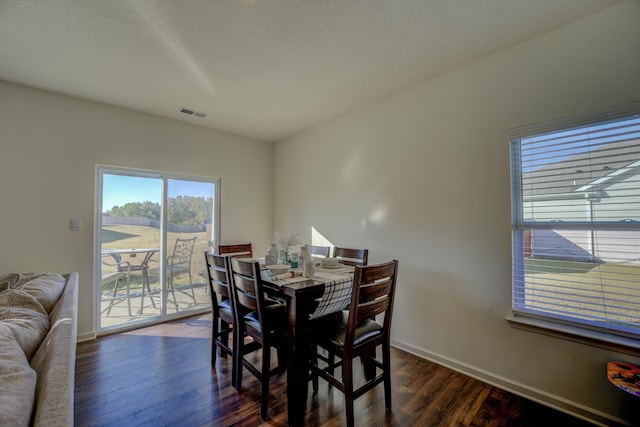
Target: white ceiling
266	69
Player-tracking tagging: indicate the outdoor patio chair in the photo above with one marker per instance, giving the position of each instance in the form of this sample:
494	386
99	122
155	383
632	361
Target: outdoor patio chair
179	263
122	273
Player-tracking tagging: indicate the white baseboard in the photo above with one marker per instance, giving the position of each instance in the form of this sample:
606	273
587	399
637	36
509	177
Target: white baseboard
86	337
556	402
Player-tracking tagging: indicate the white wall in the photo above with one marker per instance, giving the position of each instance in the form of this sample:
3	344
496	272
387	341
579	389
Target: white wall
49	146
423	176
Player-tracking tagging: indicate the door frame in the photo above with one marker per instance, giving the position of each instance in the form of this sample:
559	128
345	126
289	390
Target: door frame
100	170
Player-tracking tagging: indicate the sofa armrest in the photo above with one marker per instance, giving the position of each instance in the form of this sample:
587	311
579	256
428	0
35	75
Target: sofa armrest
55	361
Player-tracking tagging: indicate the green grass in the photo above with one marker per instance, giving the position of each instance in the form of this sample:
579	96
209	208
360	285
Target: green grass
609	271
109	235
558	266
585	289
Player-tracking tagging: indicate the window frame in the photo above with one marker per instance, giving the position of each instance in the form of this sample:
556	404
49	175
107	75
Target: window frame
538	320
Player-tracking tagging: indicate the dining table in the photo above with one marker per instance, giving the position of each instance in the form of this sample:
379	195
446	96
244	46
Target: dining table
142	266
327	291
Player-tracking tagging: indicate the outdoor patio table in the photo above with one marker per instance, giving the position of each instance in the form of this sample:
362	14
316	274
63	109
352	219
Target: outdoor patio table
143	266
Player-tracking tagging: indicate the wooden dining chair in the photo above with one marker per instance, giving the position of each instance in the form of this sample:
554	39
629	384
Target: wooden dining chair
236	249
353	333
319	251
351	256
263	320
222	308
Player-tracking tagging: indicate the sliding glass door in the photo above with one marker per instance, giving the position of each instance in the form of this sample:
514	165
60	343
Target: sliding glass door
152	229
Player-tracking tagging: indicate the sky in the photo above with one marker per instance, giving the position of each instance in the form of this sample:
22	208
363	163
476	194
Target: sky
119	190
540	150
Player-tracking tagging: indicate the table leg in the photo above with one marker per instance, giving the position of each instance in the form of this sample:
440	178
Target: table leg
297	368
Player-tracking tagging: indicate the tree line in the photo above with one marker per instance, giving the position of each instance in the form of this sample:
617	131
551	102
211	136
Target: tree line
181	210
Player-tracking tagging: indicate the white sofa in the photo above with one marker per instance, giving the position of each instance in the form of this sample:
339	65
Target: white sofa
38	331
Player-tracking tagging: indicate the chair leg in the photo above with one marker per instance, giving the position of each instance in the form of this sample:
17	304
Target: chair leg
386	363
283	354
145	283
128	303
129	294
173	292
266	364
214	337
223	337
237	359
142	294
193	293
331	357
236	351
347	380
314	363
368	366
115	290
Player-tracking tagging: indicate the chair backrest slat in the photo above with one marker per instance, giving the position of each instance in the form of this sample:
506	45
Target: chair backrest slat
218	277
372	294
245	292
348	256
372	309
244	283
236	249
375	272
372	291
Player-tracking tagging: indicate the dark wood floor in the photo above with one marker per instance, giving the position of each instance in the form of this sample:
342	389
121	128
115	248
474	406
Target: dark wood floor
161	376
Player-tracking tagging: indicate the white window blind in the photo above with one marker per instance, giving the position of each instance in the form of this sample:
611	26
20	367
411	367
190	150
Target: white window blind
576	221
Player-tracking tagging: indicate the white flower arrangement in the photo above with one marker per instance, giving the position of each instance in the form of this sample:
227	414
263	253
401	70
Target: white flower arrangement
286	242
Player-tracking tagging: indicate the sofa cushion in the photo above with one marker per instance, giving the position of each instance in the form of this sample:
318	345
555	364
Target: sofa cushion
8	281
46	288
14	280
18	383
26	277
23	318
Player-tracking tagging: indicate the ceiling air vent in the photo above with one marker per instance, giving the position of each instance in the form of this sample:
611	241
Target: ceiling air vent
193	113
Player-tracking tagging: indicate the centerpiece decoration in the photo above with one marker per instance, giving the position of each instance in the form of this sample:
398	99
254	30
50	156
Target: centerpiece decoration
285	244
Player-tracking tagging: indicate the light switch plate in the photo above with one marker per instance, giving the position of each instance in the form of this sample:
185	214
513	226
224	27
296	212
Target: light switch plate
75	224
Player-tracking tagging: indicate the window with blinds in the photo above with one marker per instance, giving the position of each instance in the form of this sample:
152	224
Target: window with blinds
576	221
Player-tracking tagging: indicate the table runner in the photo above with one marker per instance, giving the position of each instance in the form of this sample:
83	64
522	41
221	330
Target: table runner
337	289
